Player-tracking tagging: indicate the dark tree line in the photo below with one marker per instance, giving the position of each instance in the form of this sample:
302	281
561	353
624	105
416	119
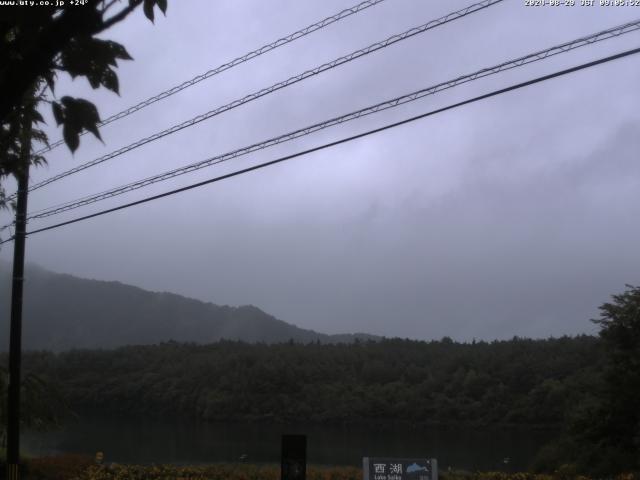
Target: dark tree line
523	382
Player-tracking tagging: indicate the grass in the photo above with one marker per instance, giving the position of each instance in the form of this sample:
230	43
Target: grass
80	467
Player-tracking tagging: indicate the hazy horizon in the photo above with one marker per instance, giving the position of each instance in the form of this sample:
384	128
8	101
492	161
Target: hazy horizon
30	265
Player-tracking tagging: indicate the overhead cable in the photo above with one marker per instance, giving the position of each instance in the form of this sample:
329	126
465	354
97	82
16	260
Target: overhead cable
343	140
394	102
228	65
277	86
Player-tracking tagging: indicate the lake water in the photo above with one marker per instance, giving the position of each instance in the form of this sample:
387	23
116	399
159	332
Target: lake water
182	442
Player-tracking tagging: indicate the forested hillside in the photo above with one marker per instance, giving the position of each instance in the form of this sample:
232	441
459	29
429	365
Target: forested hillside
532	382
63	312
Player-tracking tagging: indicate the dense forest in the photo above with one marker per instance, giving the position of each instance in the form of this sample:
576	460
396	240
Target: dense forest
532	382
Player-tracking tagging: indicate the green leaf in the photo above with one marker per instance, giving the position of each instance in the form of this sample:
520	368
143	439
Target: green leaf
94	79
67	101
162	5
93	128
38	160
147	7
88	109
57	113
71	137
79	114
40	136
37	117
49	77
110	81
86	115
93	59
119	51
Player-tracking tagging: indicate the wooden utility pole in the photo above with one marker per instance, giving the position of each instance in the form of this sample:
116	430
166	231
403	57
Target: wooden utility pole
15	335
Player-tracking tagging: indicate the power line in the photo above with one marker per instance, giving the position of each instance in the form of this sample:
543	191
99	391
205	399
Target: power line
524	60
277	86
226	66
343	140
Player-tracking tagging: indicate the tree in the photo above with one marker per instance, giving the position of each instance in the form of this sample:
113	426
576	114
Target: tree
36	44
603	437
618	427
42	405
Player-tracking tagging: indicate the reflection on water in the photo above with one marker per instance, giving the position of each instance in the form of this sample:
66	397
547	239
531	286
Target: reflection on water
182	442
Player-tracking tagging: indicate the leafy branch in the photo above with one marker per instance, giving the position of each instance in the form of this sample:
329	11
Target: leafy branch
35	48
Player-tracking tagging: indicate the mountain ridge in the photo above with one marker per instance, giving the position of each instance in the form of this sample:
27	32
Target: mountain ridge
63	311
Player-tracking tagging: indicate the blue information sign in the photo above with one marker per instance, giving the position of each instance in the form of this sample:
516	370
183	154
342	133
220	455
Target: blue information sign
399	468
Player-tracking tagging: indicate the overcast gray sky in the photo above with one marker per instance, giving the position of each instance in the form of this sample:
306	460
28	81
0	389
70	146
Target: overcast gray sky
517	215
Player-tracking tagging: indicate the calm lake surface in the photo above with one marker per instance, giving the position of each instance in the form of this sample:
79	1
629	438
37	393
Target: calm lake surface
182	442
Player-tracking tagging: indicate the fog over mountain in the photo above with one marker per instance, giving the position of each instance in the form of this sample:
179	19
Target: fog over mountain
63	312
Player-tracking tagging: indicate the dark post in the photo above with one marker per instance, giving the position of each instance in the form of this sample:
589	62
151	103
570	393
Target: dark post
294	457
15	335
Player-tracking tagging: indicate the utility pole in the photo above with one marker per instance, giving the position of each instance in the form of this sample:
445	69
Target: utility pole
15	335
